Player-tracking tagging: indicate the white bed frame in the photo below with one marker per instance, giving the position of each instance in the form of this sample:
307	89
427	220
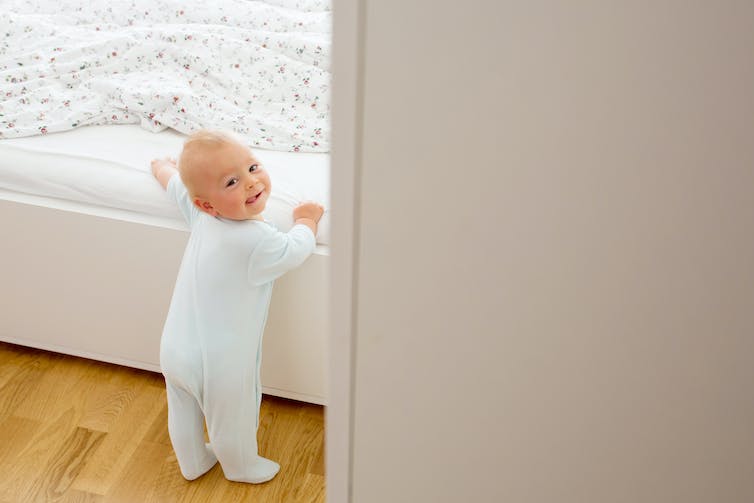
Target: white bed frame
96	283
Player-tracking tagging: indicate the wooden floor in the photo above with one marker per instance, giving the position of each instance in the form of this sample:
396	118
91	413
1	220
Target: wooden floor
76	430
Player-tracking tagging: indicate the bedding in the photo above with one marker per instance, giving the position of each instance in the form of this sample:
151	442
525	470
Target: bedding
261	69
108	167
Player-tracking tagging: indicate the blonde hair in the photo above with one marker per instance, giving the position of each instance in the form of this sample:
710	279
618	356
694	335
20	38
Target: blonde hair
212	137
201	141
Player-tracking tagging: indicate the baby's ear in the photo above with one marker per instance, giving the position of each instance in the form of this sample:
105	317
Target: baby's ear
205	206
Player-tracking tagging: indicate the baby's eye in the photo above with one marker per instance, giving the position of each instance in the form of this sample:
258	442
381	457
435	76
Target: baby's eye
231	182
253	168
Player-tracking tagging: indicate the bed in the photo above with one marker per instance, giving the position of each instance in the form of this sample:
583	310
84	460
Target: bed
91	92
91	247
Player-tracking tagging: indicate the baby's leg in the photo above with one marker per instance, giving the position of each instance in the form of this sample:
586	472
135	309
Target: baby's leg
231	402
186	428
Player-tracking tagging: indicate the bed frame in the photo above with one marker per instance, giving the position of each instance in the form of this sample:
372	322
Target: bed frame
96	283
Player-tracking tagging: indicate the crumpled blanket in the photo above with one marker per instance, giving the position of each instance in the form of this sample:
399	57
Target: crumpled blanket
261	69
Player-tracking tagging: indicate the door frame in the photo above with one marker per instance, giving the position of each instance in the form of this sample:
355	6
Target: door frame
347	114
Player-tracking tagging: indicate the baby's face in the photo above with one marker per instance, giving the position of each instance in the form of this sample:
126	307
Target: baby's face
233	184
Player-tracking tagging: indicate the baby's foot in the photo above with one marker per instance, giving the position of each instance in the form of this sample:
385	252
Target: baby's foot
261	471
205	464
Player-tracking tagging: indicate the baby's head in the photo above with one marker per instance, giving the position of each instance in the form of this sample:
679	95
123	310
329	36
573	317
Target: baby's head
223	177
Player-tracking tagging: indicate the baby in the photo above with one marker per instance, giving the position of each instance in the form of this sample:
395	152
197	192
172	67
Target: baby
211	344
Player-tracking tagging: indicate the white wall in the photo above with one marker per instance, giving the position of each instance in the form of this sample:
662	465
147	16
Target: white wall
553	274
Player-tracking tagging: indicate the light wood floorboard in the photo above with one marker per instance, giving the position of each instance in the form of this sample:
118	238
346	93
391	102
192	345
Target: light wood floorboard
74	430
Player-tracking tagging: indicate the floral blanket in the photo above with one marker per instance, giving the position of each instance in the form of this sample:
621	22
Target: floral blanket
260	68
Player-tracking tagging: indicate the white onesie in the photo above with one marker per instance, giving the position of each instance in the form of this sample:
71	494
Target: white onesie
211	345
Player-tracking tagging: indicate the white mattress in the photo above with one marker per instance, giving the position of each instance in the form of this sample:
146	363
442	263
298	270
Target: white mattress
106	168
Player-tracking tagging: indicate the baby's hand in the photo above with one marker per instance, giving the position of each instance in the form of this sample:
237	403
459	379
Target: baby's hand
163	169
309	210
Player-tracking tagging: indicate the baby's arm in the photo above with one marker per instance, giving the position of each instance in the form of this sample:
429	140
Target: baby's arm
163	170
280	252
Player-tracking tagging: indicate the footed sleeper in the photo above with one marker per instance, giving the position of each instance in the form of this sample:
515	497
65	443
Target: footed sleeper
211	346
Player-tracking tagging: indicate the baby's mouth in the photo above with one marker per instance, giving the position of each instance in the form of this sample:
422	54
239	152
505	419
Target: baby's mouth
253	199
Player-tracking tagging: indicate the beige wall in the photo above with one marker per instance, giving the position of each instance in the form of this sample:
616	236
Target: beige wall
554	268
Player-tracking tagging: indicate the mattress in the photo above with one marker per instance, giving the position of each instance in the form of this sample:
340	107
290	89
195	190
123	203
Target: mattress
105	170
